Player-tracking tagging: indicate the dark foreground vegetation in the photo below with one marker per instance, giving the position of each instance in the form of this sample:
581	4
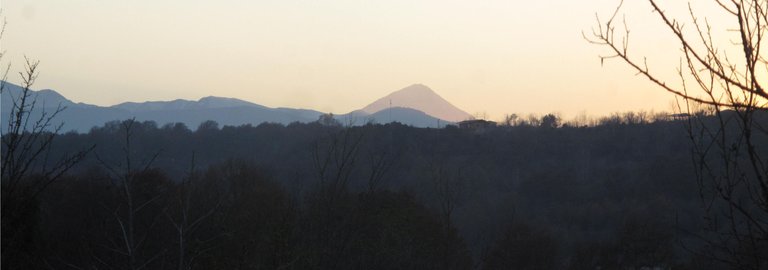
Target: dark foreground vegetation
621	194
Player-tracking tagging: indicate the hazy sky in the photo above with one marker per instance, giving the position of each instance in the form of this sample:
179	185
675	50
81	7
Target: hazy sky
490	56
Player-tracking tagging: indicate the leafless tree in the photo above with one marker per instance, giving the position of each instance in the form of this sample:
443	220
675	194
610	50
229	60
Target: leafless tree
511	120
380	164
187	222
27	141
729	144
26	169
131	239
446	183
335	160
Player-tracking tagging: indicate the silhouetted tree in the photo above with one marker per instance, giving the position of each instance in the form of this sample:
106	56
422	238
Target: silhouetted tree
189	211
445	183
327	119
273	212
136	216
510	120
524	247
207	126
378	230
550	121
254	226
729	152
26	169
645	243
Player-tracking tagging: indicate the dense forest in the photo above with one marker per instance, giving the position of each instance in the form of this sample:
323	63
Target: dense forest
620	193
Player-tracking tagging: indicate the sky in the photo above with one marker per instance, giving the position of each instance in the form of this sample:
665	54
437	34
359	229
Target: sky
490	57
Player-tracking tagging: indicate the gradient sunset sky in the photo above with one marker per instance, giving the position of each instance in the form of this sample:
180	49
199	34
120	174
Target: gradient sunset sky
492	56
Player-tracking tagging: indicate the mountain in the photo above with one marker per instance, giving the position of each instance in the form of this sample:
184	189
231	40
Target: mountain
75	116
178	104
210	102
416	105
45	98
233	116
422	98
82	117
407	116
225	111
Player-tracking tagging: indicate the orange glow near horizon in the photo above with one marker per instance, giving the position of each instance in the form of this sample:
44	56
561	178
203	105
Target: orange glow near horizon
493	57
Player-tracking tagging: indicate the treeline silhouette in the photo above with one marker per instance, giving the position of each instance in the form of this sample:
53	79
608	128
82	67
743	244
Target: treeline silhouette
618	194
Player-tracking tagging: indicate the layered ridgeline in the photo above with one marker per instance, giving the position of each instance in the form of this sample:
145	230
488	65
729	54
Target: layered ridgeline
416	105
421	98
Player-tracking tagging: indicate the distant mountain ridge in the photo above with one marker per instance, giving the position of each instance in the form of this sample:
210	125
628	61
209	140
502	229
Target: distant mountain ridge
209	102
82	117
